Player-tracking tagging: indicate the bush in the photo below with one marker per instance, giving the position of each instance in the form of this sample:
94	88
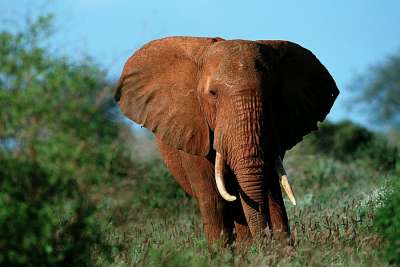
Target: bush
158	189
341	140
44	219
387	223
380	154
59	139
348	141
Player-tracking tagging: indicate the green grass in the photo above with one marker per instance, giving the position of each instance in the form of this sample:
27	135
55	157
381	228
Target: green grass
387	222
151	222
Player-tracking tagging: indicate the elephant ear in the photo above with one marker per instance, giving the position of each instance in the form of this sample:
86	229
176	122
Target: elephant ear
302	94
157	90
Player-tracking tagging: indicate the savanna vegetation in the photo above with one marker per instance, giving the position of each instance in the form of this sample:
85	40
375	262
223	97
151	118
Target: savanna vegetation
76	189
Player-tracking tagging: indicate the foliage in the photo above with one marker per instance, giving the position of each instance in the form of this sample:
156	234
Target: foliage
379	90
59	137
44	219
381	155
348	141
159	187
57	111
340	140
387	223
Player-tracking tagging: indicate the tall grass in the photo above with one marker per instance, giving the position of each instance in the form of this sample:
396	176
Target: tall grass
153	223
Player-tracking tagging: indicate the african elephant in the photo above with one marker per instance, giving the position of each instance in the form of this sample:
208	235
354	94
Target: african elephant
224	112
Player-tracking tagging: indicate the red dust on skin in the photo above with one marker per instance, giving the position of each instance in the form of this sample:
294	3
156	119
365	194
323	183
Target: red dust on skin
250	101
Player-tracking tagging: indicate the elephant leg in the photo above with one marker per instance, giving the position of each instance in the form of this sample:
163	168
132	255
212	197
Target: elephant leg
173	161
278	219
215	212
242	231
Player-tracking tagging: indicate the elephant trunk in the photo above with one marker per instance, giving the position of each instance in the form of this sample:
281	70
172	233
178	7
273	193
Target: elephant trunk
260	194
254	210
251	190
248	161
253	194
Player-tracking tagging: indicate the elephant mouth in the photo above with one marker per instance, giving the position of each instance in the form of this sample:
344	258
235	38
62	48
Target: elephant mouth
220	179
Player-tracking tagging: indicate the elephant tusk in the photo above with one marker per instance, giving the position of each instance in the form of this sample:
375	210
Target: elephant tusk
284	180
219	178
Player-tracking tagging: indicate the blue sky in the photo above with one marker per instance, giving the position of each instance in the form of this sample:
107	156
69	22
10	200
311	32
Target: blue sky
347	36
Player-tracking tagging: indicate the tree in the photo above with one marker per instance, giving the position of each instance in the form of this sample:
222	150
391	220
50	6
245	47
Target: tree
59	137
379	90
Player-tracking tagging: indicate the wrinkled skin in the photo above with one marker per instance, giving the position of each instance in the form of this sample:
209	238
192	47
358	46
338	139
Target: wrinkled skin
248	100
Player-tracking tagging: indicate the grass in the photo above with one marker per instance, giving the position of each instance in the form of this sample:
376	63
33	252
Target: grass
151	222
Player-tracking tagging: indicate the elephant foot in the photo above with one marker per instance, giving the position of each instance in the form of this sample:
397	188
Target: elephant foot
218	230
243	236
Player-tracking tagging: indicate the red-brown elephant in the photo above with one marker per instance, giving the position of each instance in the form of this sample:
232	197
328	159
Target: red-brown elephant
224	112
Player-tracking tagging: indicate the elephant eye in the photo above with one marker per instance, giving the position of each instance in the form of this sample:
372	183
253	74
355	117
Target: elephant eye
213	92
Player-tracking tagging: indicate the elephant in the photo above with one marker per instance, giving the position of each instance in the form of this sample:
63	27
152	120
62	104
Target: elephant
224	112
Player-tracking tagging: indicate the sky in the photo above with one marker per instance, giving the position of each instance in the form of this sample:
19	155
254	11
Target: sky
348	36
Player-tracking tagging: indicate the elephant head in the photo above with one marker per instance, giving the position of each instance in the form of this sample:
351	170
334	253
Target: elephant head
249	101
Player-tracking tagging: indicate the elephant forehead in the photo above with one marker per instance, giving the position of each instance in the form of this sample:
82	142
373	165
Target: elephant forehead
234	61
234	46
237	71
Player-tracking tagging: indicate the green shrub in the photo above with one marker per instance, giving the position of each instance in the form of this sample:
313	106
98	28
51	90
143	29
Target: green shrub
44	219
380	154
341	140
348	141
59	139
387	223
158	189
